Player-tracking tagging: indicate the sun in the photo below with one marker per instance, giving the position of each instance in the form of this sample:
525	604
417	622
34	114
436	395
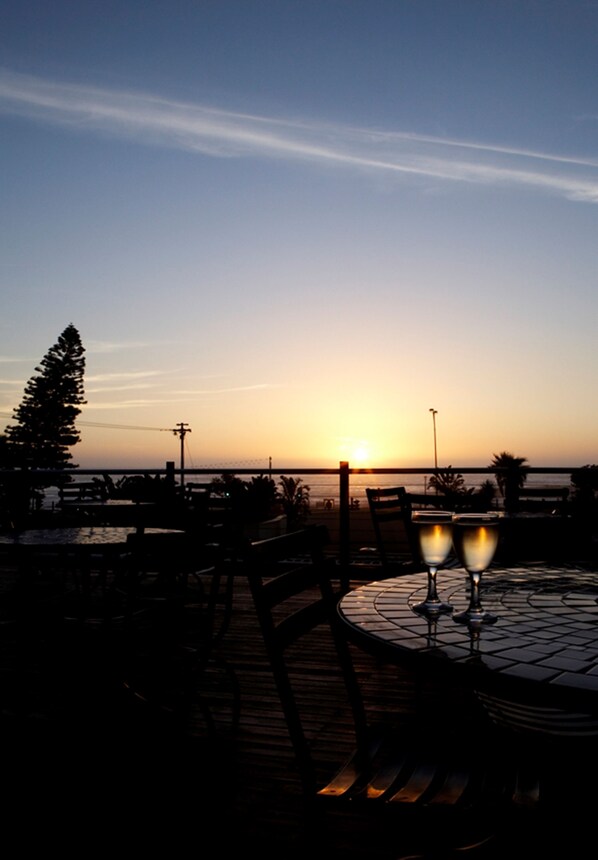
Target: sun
360	455
357	451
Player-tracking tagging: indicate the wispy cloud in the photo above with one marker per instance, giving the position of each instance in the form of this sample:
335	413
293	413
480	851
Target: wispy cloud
136	380
203	391
106	347
101	389
160	398
132	375
212	132
133	403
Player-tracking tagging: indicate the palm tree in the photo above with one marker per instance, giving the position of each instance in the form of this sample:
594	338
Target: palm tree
511	474
448	483
294	499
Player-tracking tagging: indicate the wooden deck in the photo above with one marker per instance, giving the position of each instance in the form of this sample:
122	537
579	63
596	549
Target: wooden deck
96	774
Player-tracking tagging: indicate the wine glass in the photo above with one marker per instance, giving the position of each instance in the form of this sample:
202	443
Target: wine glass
435	536
475	538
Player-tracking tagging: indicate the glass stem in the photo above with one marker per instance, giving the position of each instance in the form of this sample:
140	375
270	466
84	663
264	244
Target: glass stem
432	594
474	600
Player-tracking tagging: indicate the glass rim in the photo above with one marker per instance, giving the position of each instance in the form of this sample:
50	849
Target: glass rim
477	517
431	512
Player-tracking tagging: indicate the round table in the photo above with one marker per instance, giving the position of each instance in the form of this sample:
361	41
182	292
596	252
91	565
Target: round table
543	647
118	512
88	562
76	536
25	549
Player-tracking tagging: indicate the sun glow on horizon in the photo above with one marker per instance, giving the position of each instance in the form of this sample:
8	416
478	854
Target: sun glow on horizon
361	455
356	451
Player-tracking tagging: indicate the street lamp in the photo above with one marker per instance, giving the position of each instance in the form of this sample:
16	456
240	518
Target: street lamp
434	414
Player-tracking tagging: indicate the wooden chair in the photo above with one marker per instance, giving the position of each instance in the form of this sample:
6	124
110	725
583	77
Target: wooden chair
81	491
538	526
545	500
189	587
396	542
427	796
100	695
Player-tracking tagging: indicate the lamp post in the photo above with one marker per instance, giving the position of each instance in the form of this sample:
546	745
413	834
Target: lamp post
434	414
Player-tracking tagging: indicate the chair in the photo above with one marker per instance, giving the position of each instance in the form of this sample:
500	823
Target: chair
189	587
543	500
101	695
396	541
414	789
538	525
79	492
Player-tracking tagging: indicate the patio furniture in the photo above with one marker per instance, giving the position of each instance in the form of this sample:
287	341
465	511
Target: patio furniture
419	793
396	550
189	585
534	671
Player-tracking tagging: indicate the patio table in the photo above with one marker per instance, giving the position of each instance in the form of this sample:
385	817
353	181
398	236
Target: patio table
75	536
543	647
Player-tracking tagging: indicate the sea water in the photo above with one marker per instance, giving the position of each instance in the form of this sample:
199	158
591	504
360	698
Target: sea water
324	490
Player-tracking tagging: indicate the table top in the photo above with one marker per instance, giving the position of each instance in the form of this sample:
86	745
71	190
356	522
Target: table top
105	503
545	639
76	536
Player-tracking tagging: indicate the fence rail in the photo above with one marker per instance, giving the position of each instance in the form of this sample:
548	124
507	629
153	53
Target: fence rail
22	481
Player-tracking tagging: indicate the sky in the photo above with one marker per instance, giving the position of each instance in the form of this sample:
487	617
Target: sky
298	226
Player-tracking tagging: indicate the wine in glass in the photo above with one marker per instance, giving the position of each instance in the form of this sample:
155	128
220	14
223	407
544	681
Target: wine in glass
435	538
475	538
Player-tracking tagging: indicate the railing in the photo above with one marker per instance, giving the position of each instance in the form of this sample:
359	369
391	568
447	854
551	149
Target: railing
25	480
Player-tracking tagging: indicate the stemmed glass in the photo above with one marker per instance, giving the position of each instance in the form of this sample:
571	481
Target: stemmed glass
475	538
435	536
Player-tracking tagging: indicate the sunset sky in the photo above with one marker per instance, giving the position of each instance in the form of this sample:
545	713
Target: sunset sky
298	225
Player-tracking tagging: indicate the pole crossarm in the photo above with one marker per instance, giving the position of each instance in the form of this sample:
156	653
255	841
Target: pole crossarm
181	429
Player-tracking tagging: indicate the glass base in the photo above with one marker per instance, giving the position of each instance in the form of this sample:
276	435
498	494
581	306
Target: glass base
432	607
475	616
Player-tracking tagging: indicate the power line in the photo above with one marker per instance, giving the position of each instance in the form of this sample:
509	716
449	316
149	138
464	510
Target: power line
106	426
122	426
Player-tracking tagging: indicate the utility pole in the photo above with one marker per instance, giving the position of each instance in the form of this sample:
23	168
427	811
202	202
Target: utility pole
434	414
181	430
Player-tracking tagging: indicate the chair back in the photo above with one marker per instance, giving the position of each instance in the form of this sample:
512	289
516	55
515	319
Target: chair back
187	587
295	592
544	500
81	491
390	509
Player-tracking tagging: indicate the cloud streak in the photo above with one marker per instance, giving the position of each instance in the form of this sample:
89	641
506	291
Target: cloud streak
123	376
261	386
166	398
106	347
226	134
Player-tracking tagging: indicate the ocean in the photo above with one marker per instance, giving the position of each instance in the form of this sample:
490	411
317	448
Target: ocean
324	489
